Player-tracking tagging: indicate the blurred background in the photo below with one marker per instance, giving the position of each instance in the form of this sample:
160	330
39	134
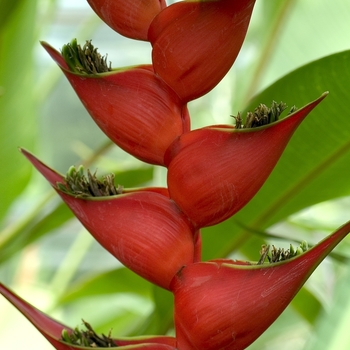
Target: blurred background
50	260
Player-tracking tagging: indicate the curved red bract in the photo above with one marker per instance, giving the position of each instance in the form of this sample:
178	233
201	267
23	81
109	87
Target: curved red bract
225	305
132	106
215	171
195	43
131	18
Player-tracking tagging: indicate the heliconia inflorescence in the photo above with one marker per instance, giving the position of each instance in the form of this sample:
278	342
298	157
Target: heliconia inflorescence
212	173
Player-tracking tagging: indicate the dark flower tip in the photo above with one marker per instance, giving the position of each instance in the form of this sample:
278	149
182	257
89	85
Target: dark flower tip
87	338
262	115
86	60
274	255
81	186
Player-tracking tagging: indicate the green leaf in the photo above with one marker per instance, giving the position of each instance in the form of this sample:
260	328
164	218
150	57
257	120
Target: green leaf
307	305
122	324
315	165
17	102
120	280
332	330
134	177
160	321
32	229
164	301
312	29
8	8
319	151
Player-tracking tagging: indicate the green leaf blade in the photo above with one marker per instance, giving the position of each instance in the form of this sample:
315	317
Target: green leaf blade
319	151
17	103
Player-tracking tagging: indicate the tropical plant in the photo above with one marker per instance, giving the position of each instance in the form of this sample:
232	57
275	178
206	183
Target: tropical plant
225	201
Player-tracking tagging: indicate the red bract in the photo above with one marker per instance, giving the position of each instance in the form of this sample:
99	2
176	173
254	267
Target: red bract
226	306
196	42
213	172
143	229
132	106
130	18
52	329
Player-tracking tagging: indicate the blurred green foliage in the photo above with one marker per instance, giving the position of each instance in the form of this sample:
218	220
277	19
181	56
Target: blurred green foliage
17	103
38	110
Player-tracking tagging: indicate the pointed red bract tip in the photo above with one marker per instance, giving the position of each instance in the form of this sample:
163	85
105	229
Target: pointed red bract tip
56	56
50	175
52	329
195	43
47	326
130	18
227	306
214	172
